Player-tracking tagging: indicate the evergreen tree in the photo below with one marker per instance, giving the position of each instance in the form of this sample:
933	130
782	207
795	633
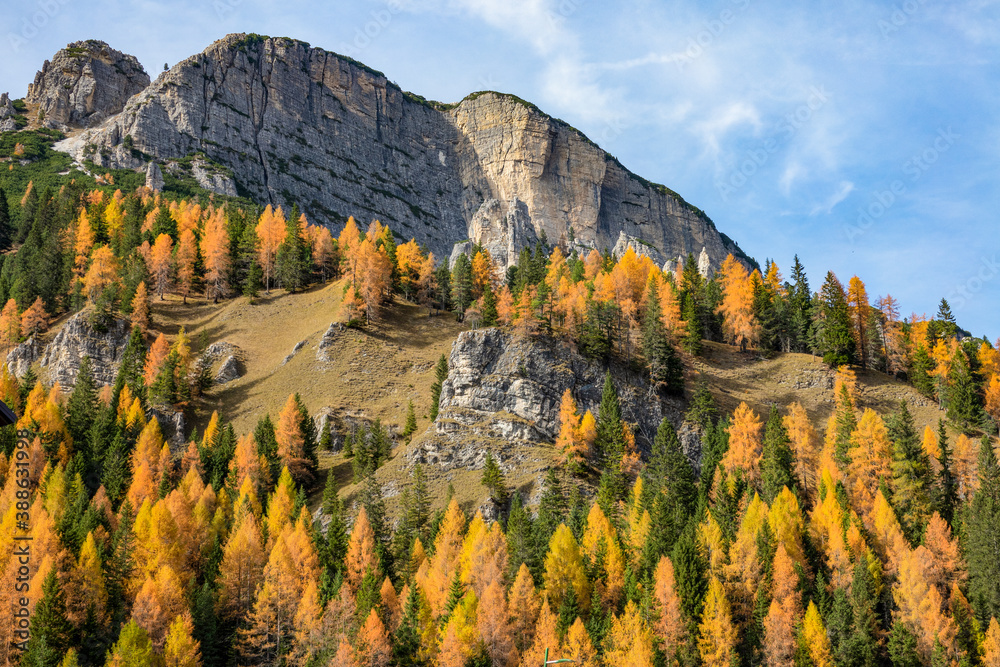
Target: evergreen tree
440	375
946	320
609	445
520	540
702	409
551	512
800	308
443	280
292	261
461	284
946	491
982	525
670	481
912	479
833	328
903	646
6	228
81	409
251	272
665	368
406	642
690	573
776	464
411	422
490	315
693	331
920	368
493	480
964	397
50	630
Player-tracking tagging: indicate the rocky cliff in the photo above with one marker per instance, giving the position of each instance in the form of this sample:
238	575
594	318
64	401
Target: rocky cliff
503	390
84	84
290	123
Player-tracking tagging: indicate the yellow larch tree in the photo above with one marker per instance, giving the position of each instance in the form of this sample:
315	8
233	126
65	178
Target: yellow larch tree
745	444
815	638
629	641
564	568
738	322
716	633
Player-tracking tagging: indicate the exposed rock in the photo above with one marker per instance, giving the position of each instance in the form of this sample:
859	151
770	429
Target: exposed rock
690	436
7	114
211	178
296	123
704	263
226	358
78	338
503	232
20	359
173	426
84	84
295	350
230	369
638	246
326	343
502	389
154	177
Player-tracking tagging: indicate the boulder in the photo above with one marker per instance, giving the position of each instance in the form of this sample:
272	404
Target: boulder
230	369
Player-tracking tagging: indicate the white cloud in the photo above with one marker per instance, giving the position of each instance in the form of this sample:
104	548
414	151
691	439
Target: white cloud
843	190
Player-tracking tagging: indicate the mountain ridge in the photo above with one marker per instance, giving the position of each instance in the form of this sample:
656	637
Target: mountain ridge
297	124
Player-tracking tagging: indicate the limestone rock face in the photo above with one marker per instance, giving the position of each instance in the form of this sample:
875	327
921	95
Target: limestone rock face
84	84
20	359
154	177
502	389
60	361
300	124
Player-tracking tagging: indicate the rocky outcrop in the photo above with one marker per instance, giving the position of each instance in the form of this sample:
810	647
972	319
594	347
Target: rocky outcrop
502	389
7	113
223	361
172	424
154	177
300	124
327	344
84	84
61	358
20	359
504	232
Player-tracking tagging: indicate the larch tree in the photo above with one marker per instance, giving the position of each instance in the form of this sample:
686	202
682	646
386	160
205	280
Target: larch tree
215	253
270	232
161	263
524	606
493	622
564	568
373	649
140	308
745	444
716	633
181	649
361	558
629	641
34	320
291	440
815	638
859	309
991	644
242	568
669	626
10	324
103	272
739	323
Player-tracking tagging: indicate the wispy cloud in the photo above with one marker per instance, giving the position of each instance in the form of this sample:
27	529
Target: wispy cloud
843	190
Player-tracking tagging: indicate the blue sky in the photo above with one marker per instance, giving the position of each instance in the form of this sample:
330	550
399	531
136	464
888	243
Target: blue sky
861	135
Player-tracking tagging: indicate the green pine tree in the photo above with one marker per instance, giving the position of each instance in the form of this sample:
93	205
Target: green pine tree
665	368
411	422
50	629
494	481
777	462
440	375
912	478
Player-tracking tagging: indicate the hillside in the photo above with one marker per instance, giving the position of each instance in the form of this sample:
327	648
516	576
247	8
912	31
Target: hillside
372	374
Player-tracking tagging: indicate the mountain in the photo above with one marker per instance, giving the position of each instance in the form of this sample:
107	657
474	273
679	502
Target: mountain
285	123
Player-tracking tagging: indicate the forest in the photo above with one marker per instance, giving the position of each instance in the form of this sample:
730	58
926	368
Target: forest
867	540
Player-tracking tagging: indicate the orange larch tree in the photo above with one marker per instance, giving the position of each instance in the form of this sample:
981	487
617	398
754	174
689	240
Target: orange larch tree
745	444
738	321
271	232
859	309
161	263
215	252
140	308
103	271
34	320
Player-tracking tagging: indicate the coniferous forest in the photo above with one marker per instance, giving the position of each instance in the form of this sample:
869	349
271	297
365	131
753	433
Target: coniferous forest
866	540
